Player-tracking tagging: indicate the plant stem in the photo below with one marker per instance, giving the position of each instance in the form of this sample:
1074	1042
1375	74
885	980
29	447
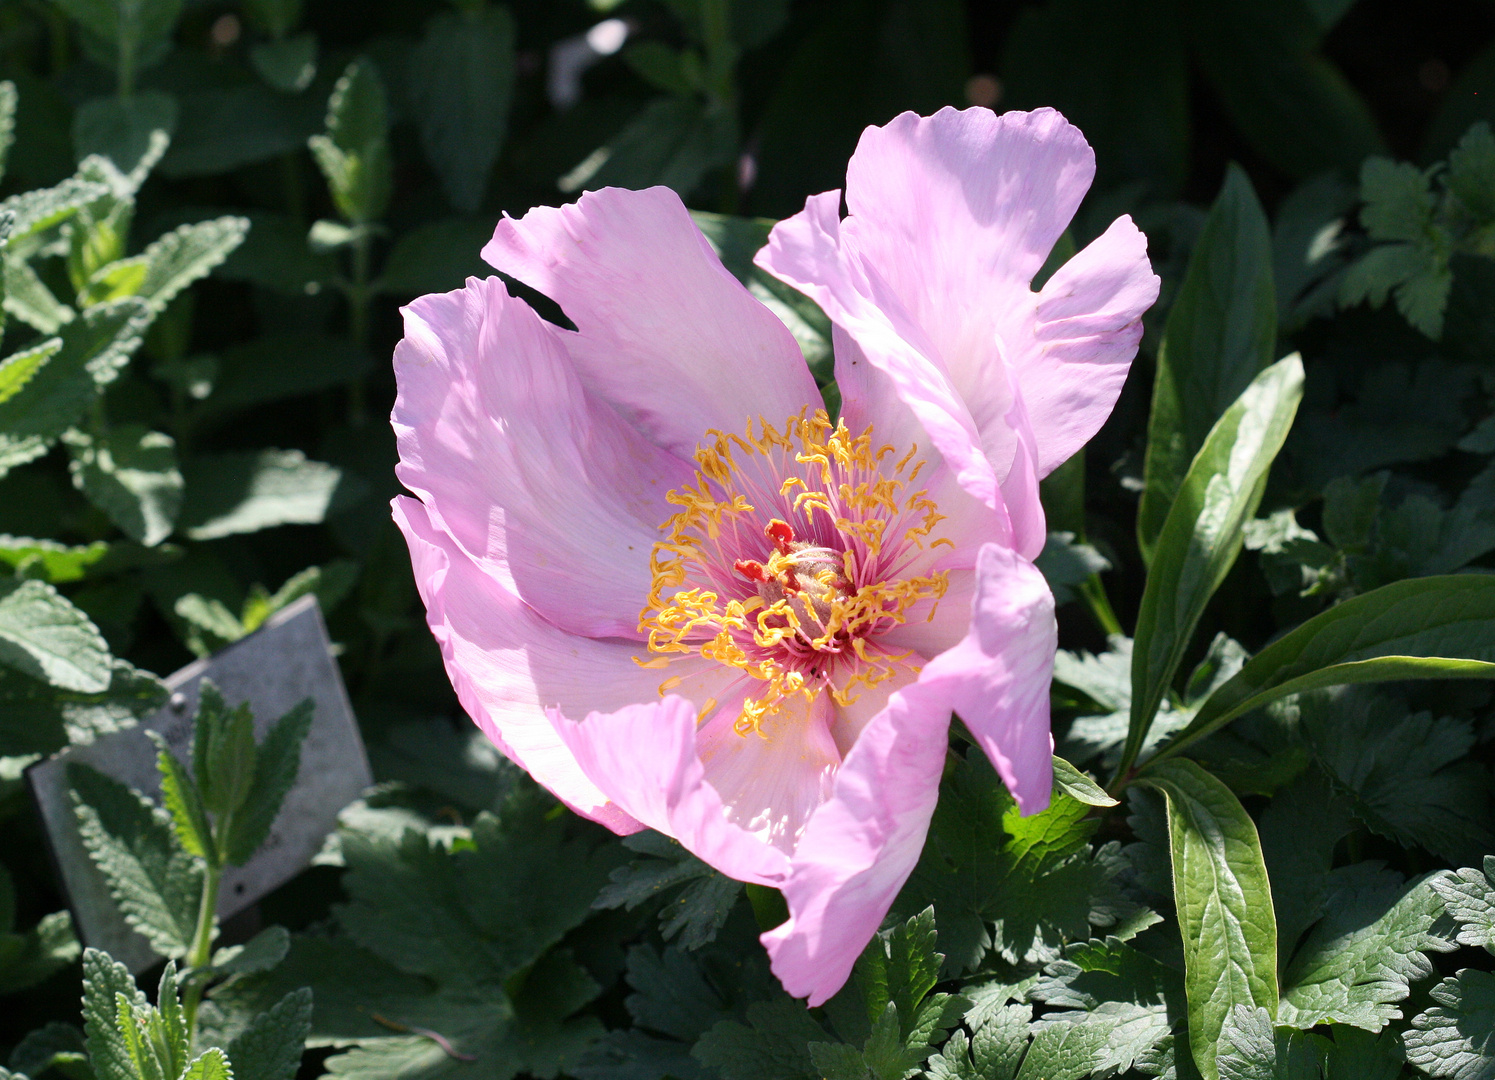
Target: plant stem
202	943
1099	603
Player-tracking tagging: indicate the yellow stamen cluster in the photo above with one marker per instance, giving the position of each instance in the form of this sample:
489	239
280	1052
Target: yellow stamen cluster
791	645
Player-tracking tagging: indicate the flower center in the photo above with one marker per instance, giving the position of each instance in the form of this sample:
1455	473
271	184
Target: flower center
790	559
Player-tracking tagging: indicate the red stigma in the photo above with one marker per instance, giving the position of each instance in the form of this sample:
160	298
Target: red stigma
781	534
751	569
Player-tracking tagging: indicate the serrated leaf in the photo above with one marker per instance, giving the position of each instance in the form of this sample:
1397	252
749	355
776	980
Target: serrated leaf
7	121
95	347
157	885
1066	563
900	968
185	254
210	1065
277	762
354	154
1469	896
1427	628
227	494
1221	331
45	636
994	1053
702	906
462	80
41	209
288	64
270	1047
131	474
1407	776
39	953
1203	534
260	953
129	132
1224	903
38	719
103	982
223	755
1455	1039
180	797
29	299
18	368
671	994
773	1045
1356	962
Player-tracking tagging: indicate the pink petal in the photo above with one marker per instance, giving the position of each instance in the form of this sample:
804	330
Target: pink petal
1084	332
773	780
508	665
545	487
860	847
998	677
664	332
644	758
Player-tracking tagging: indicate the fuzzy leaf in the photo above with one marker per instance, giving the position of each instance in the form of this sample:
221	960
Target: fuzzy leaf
157	885
245	492
18	368
270	1047
43	635
277	763
131	474
1469	896
1455	1039
103	982
210	1065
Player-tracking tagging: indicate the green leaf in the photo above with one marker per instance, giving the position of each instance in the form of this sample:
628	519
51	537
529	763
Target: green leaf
224	756
95	347
1408	776
246	492
1469	897
127	131
276	764
280	366
7	121
187	253
18	368
1455	1039
1252	1049
900	969
1203	534
1299	830
1079	786
46	637
104	982
1224	904
29	299
157	885
1066	564
35	212
180	797
38	719
462	81
208	616
993	1053
39	953
437	257
1357	961
1105	1041
1020	886
773	1045
54	1046
138	30
671	141
270	1047
1221	331
50	561
210	1065
671	994
702	907
354	154
131	474
289	64
1427	628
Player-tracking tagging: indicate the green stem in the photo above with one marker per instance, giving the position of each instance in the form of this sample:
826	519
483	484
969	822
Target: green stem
1094	592
202	944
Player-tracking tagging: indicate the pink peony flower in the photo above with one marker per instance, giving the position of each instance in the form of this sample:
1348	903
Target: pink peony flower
681	597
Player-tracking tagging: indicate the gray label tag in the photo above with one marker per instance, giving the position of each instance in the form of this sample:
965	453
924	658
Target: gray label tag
275	668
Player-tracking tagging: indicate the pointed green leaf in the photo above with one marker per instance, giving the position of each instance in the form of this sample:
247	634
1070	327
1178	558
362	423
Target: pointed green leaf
157	885
28	298
277	762
211	1065
187	253
180	797
1224	904
1079	786
7	121
41	209
1455	1039
103	981
1203	534
270	1047
1221	331
1422	628
17	369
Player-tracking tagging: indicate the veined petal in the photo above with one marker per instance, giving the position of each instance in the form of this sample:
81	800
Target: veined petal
644	758
774	779
997	678
544	486
508	665
1072	356
664	332
860	847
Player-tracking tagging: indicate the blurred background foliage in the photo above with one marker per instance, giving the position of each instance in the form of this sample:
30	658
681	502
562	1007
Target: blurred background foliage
335	160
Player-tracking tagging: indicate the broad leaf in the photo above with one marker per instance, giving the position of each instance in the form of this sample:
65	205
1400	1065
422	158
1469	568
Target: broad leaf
131	474
240	493
17	369
270	1047
773	1045
182	256
1455	1039
697	913
104	982
1426	628
43	635
1469	896
1221	331
1224	904
1203	534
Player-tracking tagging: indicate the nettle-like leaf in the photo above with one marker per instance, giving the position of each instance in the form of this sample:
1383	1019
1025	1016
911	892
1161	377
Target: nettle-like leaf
774	1044
43	635
701	907
994	1052
354	153
1455	1039
227	494
270	1047
131	474
39	719
1021	887
157	884
1359	960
